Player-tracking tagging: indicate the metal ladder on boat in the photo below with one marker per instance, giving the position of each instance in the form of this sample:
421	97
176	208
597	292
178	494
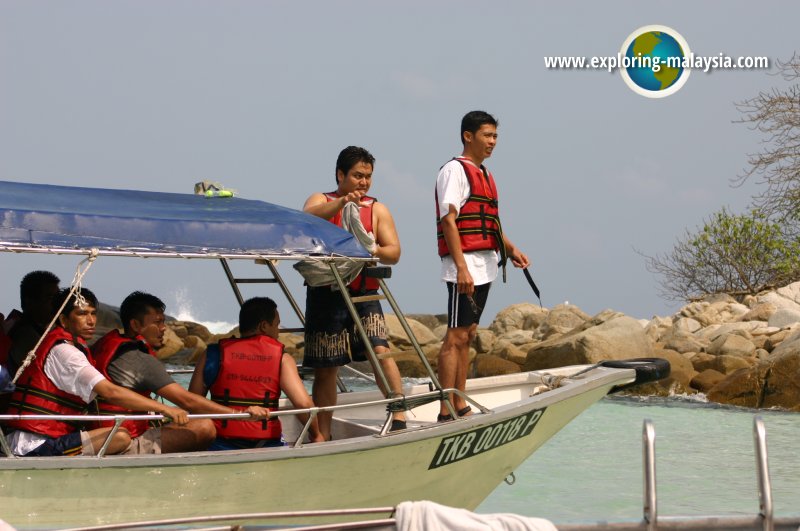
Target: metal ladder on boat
274	279
764	520
378	272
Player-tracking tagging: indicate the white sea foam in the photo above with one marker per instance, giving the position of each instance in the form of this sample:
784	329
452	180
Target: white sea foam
185	312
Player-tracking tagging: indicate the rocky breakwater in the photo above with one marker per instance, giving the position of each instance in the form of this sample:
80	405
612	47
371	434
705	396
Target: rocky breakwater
744	353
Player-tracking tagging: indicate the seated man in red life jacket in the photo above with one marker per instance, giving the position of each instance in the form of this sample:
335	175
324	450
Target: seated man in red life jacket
129	359
62	380
37	291
252	370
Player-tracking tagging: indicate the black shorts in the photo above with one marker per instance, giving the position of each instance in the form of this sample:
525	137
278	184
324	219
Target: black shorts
331	337
461	311
69	444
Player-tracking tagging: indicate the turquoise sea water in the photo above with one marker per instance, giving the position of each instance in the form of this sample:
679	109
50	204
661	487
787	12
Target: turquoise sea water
705	464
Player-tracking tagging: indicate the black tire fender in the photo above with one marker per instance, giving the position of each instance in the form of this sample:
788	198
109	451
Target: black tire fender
647	369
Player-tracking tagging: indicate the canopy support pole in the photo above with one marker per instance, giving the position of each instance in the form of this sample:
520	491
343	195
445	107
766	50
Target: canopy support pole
376	365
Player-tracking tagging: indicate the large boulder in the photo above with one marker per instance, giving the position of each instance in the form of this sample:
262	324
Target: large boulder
786	342
772	383
732	345
607	336
397	334
172	344
785	297
561	320
489	365
784	317
703	312
743	329
510	352
193	329
681	368
517	337
409	364
429	320
686	325
484	340
782	382
523	316
760	312
657	327
683	343
744	387
706	380
702	361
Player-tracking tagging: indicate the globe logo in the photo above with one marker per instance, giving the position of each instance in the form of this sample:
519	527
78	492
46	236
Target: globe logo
654	61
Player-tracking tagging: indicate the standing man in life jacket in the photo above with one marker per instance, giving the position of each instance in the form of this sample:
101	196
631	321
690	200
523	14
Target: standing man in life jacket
62	380
252	369
472	247
129	359
331	338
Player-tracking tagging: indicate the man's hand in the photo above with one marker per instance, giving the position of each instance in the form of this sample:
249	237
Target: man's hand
257	412
178	415
464	281
354	197
518	258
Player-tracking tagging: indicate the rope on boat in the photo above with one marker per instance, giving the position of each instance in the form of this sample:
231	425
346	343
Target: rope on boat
403	403
77	279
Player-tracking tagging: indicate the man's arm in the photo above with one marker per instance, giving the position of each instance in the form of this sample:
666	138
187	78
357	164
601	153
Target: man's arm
197	385
198	404
451	237
518	258
119	396
318	205
292	385
195	398
388	250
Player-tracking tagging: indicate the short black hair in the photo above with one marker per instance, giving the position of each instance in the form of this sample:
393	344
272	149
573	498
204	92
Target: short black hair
32	282
349	157
72	300
255	310
136	305
473	120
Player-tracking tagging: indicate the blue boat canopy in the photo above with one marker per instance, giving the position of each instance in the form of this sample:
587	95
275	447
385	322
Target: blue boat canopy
39	217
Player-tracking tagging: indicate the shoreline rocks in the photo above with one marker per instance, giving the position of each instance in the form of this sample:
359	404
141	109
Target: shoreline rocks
743	353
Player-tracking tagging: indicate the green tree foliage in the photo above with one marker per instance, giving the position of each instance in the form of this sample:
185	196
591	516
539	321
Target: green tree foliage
735	254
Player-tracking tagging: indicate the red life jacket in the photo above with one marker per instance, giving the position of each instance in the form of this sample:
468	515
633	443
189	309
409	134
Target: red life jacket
104	351
478	222
249	375
361	282
36	394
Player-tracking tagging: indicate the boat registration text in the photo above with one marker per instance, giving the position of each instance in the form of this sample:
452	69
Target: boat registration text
465	445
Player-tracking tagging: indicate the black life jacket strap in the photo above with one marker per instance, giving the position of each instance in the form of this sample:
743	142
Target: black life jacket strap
535	289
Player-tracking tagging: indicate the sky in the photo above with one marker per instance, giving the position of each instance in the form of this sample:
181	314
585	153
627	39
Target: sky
262	96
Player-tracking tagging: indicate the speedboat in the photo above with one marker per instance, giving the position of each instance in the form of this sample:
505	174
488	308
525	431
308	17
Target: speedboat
457	463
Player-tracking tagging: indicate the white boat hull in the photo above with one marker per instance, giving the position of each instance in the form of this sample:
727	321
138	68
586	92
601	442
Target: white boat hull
456	463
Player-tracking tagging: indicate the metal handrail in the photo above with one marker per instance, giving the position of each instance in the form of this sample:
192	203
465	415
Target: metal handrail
414	343
762	469
649	469
311	412
247	516
764	520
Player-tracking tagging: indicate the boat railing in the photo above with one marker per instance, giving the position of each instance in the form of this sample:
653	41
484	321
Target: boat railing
389	522
765	519
404	402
